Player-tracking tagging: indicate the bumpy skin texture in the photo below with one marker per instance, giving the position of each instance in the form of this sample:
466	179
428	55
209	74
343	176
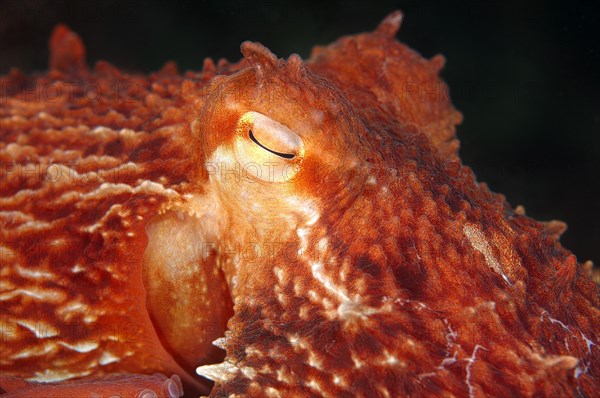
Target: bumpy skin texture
379	267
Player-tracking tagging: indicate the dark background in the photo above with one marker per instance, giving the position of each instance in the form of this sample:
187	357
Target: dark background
524	74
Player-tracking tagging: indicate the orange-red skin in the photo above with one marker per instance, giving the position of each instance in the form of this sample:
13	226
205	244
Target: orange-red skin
454	325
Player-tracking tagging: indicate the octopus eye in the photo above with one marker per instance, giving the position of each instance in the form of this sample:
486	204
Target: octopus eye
269	150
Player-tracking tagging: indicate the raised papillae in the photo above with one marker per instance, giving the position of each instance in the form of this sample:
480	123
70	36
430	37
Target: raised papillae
272	228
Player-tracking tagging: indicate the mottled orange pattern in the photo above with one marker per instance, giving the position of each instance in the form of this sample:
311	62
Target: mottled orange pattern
291	228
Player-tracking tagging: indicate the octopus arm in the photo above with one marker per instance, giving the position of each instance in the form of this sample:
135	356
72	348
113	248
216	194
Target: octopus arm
124	386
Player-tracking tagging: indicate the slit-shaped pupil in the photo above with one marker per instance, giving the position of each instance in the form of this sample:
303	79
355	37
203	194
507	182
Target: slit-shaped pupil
283	155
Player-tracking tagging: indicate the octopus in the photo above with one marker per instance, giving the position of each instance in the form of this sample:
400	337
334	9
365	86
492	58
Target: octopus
272	228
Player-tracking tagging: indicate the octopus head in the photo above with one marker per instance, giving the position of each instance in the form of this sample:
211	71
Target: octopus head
281	147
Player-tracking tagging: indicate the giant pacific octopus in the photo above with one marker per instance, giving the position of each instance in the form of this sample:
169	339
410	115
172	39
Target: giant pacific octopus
277	228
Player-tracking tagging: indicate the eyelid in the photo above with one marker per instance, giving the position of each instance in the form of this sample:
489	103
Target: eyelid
272	135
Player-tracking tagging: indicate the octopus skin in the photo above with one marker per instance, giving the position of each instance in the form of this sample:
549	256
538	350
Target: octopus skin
276	228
